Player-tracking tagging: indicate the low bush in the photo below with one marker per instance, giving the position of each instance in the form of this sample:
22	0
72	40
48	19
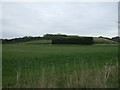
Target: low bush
73	40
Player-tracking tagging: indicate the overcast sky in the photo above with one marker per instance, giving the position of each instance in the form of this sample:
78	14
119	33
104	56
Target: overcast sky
80	18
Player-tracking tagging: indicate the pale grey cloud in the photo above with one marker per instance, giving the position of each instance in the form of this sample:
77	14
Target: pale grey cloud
83	18
59	0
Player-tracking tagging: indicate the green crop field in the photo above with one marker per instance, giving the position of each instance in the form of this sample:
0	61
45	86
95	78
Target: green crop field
39	42
103	41
59	66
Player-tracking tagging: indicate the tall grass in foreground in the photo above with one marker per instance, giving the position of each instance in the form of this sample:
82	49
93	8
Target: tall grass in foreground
59	66
81	77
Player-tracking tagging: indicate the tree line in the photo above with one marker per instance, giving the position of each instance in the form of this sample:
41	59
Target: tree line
58	38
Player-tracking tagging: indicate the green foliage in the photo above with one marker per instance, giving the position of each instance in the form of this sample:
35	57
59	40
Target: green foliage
117	39
74	40
54	36
18	40
59	66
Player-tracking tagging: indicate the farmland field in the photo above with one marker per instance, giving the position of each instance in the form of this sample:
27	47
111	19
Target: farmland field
59	66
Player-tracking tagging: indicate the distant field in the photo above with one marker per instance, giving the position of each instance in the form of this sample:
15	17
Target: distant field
39	42
59	66
102	41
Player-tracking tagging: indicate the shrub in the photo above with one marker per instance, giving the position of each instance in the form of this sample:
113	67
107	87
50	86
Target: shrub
73	40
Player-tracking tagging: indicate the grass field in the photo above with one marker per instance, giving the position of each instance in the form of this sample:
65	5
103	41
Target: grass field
39	42
102	41
59	66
